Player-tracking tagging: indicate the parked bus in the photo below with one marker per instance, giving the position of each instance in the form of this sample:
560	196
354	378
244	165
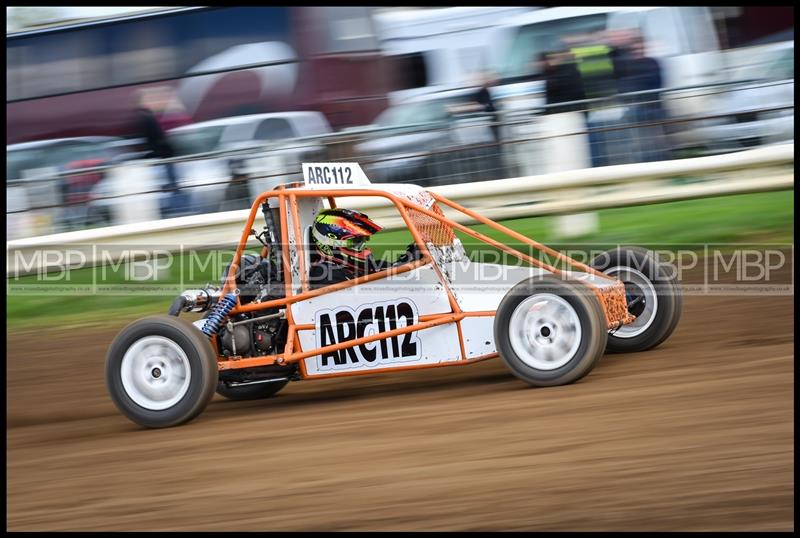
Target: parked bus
81	79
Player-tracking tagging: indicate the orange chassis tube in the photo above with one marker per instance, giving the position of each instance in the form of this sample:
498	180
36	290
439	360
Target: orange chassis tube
287	197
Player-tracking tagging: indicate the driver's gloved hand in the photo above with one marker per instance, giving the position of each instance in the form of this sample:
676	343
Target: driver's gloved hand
411	254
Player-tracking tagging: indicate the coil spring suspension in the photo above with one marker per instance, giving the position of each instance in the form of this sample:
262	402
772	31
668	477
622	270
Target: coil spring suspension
218	315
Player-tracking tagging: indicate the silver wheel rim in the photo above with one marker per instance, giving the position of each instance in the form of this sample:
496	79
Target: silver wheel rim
646	288
155	373
545	331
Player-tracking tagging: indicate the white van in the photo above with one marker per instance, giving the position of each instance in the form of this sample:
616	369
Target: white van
437	49
682	39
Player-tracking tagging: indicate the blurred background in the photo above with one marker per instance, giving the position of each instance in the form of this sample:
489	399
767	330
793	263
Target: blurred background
150	130
123	115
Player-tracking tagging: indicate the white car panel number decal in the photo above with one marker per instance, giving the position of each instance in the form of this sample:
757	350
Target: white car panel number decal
345	324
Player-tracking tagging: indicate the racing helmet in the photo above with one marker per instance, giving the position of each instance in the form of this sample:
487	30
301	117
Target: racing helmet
341	235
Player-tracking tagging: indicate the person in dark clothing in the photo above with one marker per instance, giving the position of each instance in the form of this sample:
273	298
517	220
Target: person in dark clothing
621	56
490	156
158	147
634	71
563	82
484	98
155	138
481	102
637	72
493	159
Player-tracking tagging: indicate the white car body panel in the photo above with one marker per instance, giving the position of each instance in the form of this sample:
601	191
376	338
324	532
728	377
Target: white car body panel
419	288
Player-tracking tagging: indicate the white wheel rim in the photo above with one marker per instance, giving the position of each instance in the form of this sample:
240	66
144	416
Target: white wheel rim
545	331
647	290
155	373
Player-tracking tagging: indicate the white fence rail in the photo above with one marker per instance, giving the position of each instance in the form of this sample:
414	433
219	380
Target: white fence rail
758	170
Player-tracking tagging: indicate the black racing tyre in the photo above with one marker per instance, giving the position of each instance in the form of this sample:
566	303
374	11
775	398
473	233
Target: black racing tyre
550	331
161	371
654	296
257	391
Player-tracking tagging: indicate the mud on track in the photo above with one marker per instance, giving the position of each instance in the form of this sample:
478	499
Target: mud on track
695	435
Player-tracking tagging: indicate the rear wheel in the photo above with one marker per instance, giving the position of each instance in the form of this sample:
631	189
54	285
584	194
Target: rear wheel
654	296
550	331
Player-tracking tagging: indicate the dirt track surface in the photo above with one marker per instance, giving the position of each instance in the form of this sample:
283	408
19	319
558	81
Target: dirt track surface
697	434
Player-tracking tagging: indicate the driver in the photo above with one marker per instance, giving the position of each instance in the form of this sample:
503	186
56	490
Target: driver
339	239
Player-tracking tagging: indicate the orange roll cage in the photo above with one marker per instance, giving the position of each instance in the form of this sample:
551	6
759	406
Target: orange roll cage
612	299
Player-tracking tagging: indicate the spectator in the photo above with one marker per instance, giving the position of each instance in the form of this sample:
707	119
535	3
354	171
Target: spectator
481	102
174	114
595	65
563	82
596	68
492	163
638	73
620	42
484	99
149	128
157	144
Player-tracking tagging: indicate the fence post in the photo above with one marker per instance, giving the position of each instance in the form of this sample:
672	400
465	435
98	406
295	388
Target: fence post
128	180
562	152
18	224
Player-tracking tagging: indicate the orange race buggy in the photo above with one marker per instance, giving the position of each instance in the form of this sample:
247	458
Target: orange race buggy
266	326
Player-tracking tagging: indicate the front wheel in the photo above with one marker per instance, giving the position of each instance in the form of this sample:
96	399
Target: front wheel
653	293
161	371
550	331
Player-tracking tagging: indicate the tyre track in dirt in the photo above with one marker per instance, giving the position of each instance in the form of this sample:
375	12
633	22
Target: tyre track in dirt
697	434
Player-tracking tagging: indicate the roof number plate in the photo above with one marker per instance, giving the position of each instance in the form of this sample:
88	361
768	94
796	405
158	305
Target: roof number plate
333	175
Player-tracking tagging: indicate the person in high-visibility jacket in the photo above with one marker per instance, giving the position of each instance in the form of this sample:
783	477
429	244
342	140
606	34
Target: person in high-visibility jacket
594	61
596	67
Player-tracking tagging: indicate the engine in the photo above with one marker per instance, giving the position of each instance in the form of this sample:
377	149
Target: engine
247	334
262	332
